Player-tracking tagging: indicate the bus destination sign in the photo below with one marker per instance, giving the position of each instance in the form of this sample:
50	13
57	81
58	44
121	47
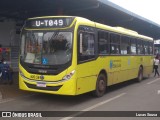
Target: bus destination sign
49	23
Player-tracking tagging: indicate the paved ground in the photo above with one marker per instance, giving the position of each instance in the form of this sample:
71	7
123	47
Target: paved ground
131	96
11	91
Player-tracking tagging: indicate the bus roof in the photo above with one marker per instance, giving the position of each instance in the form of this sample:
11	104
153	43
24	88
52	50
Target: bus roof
120	30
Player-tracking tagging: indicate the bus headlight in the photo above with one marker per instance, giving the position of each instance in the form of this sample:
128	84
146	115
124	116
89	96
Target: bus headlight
21	73
68	76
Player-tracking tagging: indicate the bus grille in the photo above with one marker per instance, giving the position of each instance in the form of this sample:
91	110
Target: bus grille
50	88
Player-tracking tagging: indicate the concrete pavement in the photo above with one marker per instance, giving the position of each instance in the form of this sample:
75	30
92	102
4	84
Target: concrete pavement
11	91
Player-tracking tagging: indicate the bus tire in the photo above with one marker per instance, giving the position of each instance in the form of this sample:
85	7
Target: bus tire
140	75
100	86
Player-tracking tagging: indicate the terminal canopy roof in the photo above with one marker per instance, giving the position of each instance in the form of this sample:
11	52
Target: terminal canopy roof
101	11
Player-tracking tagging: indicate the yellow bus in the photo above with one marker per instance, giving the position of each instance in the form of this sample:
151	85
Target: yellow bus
69	55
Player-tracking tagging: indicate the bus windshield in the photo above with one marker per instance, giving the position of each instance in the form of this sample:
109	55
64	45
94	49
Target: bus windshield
46	48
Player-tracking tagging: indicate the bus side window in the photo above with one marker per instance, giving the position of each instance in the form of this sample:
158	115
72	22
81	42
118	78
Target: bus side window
115	43
140	47
86	46
146	47
150	48
103	42
125	45
133	46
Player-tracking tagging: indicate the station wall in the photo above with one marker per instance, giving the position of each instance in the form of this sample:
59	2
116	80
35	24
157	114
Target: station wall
8	36
10	39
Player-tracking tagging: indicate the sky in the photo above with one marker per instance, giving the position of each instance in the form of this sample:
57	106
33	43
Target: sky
149	9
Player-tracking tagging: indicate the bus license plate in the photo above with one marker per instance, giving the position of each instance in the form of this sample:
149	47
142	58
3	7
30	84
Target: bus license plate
41	84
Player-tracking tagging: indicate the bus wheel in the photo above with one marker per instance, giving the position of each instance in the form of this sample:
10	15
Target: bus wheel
100	86
140	75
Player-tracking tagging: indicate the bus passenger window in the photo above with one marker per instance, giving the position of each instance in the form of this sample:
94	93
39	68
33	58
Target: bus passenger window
146	48
125	45
150	48
103	42
115	43
133	46
140	47
86	46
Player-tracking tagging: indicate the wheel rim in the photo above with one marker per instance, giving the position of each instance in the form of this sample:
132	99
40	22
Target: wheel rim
101	85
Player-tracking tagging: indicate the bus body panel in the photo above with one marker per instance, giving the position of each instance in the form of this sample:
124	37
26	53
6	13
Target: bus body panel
68	87
118	68
87	76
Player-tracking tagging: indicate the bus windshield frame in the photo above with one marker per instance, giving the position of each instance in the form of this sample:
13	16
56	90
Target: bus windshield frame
46	48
